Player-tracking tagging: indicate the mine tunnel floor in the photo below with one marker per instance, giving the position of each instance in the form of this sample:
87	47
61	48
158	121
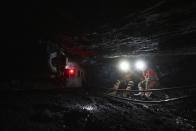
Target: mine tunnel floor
77	110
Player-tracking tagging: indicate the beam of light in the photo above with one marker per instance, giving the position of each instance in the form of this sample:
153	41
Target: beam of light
124	66
140	65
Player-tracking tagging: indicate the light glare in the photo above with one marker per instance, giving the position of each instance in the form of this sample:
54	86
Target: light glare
140	65
89	108
124	66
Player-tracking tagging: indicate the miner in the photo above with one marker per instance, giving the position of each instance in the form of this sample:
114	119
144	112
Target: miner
125	83
150	80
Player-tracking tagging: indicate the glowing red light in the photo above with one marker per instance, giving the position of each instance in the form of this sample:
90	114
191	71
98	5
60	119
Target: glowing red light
71	71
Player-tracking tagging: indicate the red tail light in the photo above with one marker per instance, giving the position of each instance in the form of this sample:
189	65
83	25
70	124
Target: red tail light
70	72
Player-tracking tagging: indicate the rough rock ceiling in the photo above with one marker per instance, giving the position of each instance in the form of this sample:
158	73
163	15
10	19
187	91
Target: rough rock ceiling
167	26
122	28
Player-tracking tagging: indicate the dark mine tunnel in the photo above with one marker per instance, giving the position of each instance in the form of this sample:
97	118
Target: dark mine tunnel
99	65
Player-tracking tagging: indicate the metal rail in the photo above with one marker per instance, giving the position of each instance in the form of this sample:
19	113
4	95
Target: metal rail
151	90
149	102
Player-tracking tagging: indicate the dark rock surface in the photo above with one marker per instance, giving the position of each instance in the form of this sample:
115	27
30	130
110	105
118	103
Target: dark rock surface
73	110
161	27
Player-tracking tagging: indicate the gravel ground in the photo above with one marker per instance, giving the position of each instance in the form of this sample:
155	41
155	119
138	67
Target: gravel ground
76	110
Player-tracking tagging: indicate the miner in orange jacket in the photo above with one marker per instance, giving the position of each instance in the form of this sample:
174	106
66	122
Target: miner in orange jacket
150	81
